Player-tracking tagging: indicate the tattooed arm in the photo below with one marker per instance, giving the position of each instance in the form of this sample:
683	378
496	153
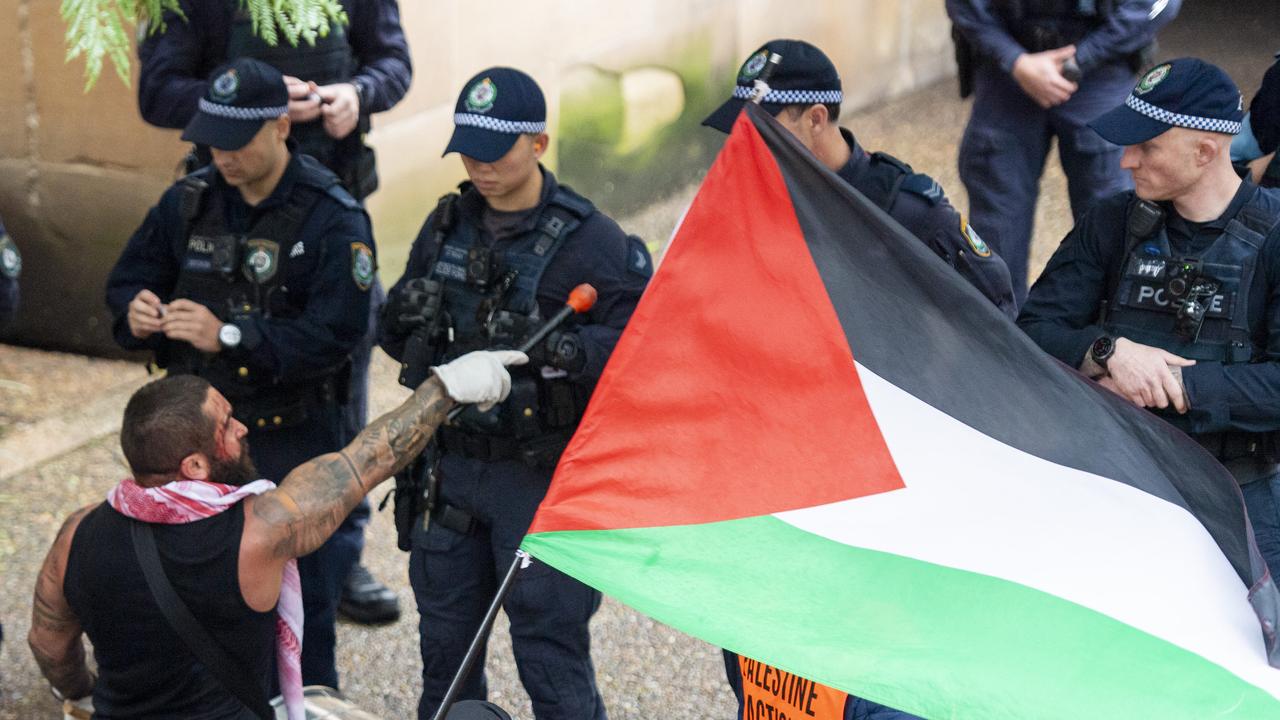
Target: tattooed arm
55	630
313	500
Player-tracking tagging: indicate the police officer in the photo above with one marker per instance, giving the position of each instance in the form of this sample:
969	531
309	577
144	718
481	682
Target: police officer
335	85
489	266
1167	294
1041	69
10	269
254	273
804	93
1255	147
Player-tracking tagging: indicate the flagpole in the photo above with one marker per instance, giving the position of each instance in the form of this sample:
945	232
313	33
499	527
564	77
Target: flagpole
482	635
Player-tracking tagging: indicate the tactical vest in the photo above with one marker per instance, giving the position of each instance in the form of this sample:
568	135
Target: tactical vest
239	276
330	60
1144	309
491	301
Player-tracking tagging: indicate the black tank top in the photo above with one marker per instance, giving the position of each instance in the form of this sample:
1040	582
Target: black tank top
144	668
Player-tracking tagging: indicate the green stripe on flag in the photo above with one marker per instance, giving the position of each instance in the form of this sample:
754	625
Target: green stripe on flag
920	637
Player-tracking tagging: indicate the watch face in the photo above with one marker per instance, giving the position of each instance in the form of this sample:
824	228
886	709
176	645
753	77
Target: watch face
1102	349
229	335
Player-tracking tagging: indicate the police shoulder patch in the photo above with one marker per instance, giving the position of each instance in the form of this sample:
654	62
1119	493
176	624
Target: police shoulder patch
10	259
261	260
976	243
362	265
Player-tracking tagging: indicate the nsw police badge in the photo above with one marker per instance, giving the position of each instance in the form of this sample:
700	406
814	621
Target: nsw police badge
224	88
362	266
752	68
10	260
482	96
1153	78
261	260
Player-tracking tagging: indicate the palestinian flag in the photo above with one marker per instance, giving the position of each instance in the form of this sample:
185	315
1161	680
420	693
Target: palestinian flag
816	446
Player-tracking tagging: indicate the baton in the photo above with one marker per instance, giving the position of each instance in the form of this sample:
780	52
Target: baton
580	300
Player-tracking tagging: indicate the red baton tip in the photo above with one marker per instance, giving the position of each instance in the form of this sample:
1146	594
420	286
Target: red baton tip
582	298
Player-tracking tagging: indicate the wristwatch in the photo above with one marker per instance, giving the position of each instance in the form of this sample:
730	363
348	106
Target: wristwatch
229	336
1102	350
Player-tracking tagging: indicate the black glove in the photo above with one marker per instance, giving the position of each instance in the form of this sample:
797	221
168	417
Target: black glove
562	350
415	304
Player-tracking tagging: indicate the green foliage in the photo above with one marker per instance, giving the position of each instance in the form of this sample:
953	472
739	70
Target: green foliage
97	29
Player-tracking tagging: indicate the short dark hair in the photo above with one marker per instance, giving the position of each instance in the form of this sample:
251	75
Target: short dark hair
164	422
833	110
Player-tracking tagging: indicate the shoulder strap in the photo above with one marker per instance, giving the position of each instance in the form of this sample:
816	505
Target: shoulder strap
189	629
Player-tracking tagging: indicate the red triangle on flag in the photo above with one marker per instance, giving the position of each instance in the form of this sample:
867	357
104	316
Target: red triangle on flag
733	391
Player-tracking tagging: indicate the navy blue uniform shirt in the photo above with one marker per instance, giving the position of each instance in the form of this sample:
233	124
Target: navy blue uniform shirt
1062	312
922	208
597	252
321	277
176	62
1129	28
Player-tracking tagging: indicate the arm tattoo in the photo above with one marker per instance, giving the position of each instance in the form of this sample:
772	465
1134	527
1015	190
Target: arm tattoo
315	498
55	630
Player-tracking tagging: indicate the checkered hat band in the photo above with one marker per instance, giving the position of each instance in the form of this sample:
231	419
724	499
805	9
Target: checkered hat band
792	97
511	127
239	113
1193	122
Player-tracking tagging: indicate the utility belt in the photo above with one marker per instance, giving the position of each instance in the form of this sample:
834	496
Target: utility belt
537	452
1037	37
292	405
277	407
1232	447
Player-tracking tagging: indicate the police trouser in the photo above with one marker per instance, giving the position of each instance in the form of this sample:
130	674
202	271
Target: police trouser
276	453
1005	146
455	572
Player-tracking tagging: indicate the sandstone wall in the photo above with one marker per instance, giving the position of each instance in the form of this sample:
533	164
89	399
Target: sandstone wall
627	83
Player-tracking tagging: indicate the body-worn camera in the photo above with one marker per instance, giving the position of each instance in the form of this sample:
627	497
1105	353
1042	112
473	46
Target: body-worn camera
1191	292
482	266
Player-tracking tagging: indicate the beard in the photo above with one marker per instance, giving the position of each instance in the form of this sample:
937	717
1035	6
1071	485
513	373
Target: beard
234	471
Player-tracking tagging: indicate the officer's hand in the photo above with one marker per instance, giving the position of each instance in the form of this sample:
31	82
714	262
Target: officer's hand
341	108
145	312
1141	374
1040	76
304	101
192	322
479	377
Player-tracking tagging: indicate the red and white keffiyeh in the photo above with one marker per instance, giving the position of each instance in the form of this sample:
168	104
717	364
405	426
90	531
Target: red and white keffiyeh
186	501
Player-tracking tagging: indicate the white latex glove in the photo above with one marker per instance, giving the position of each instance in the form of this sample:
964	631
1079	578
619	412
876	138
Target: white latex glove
81	709
480	377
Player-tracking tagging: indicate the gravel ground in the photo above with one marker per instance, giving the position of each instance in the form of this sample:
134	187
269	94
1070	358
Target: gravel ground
646	670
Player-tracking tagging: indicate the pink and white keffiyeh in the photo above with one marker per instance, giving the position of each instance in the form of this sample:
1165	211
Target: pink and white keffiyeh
186	501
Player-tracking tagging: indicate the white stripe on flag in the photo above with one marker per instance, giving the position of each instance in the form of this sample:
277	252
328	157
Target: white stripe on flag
976	504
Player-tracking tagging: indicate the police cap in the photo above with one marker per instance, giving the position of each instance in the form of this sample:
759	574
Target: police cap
804	75
1187	92
242	95
495	108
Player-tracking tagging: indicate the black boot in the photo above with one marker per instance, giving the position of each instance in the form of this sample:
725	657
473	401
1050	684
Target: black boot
367	601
